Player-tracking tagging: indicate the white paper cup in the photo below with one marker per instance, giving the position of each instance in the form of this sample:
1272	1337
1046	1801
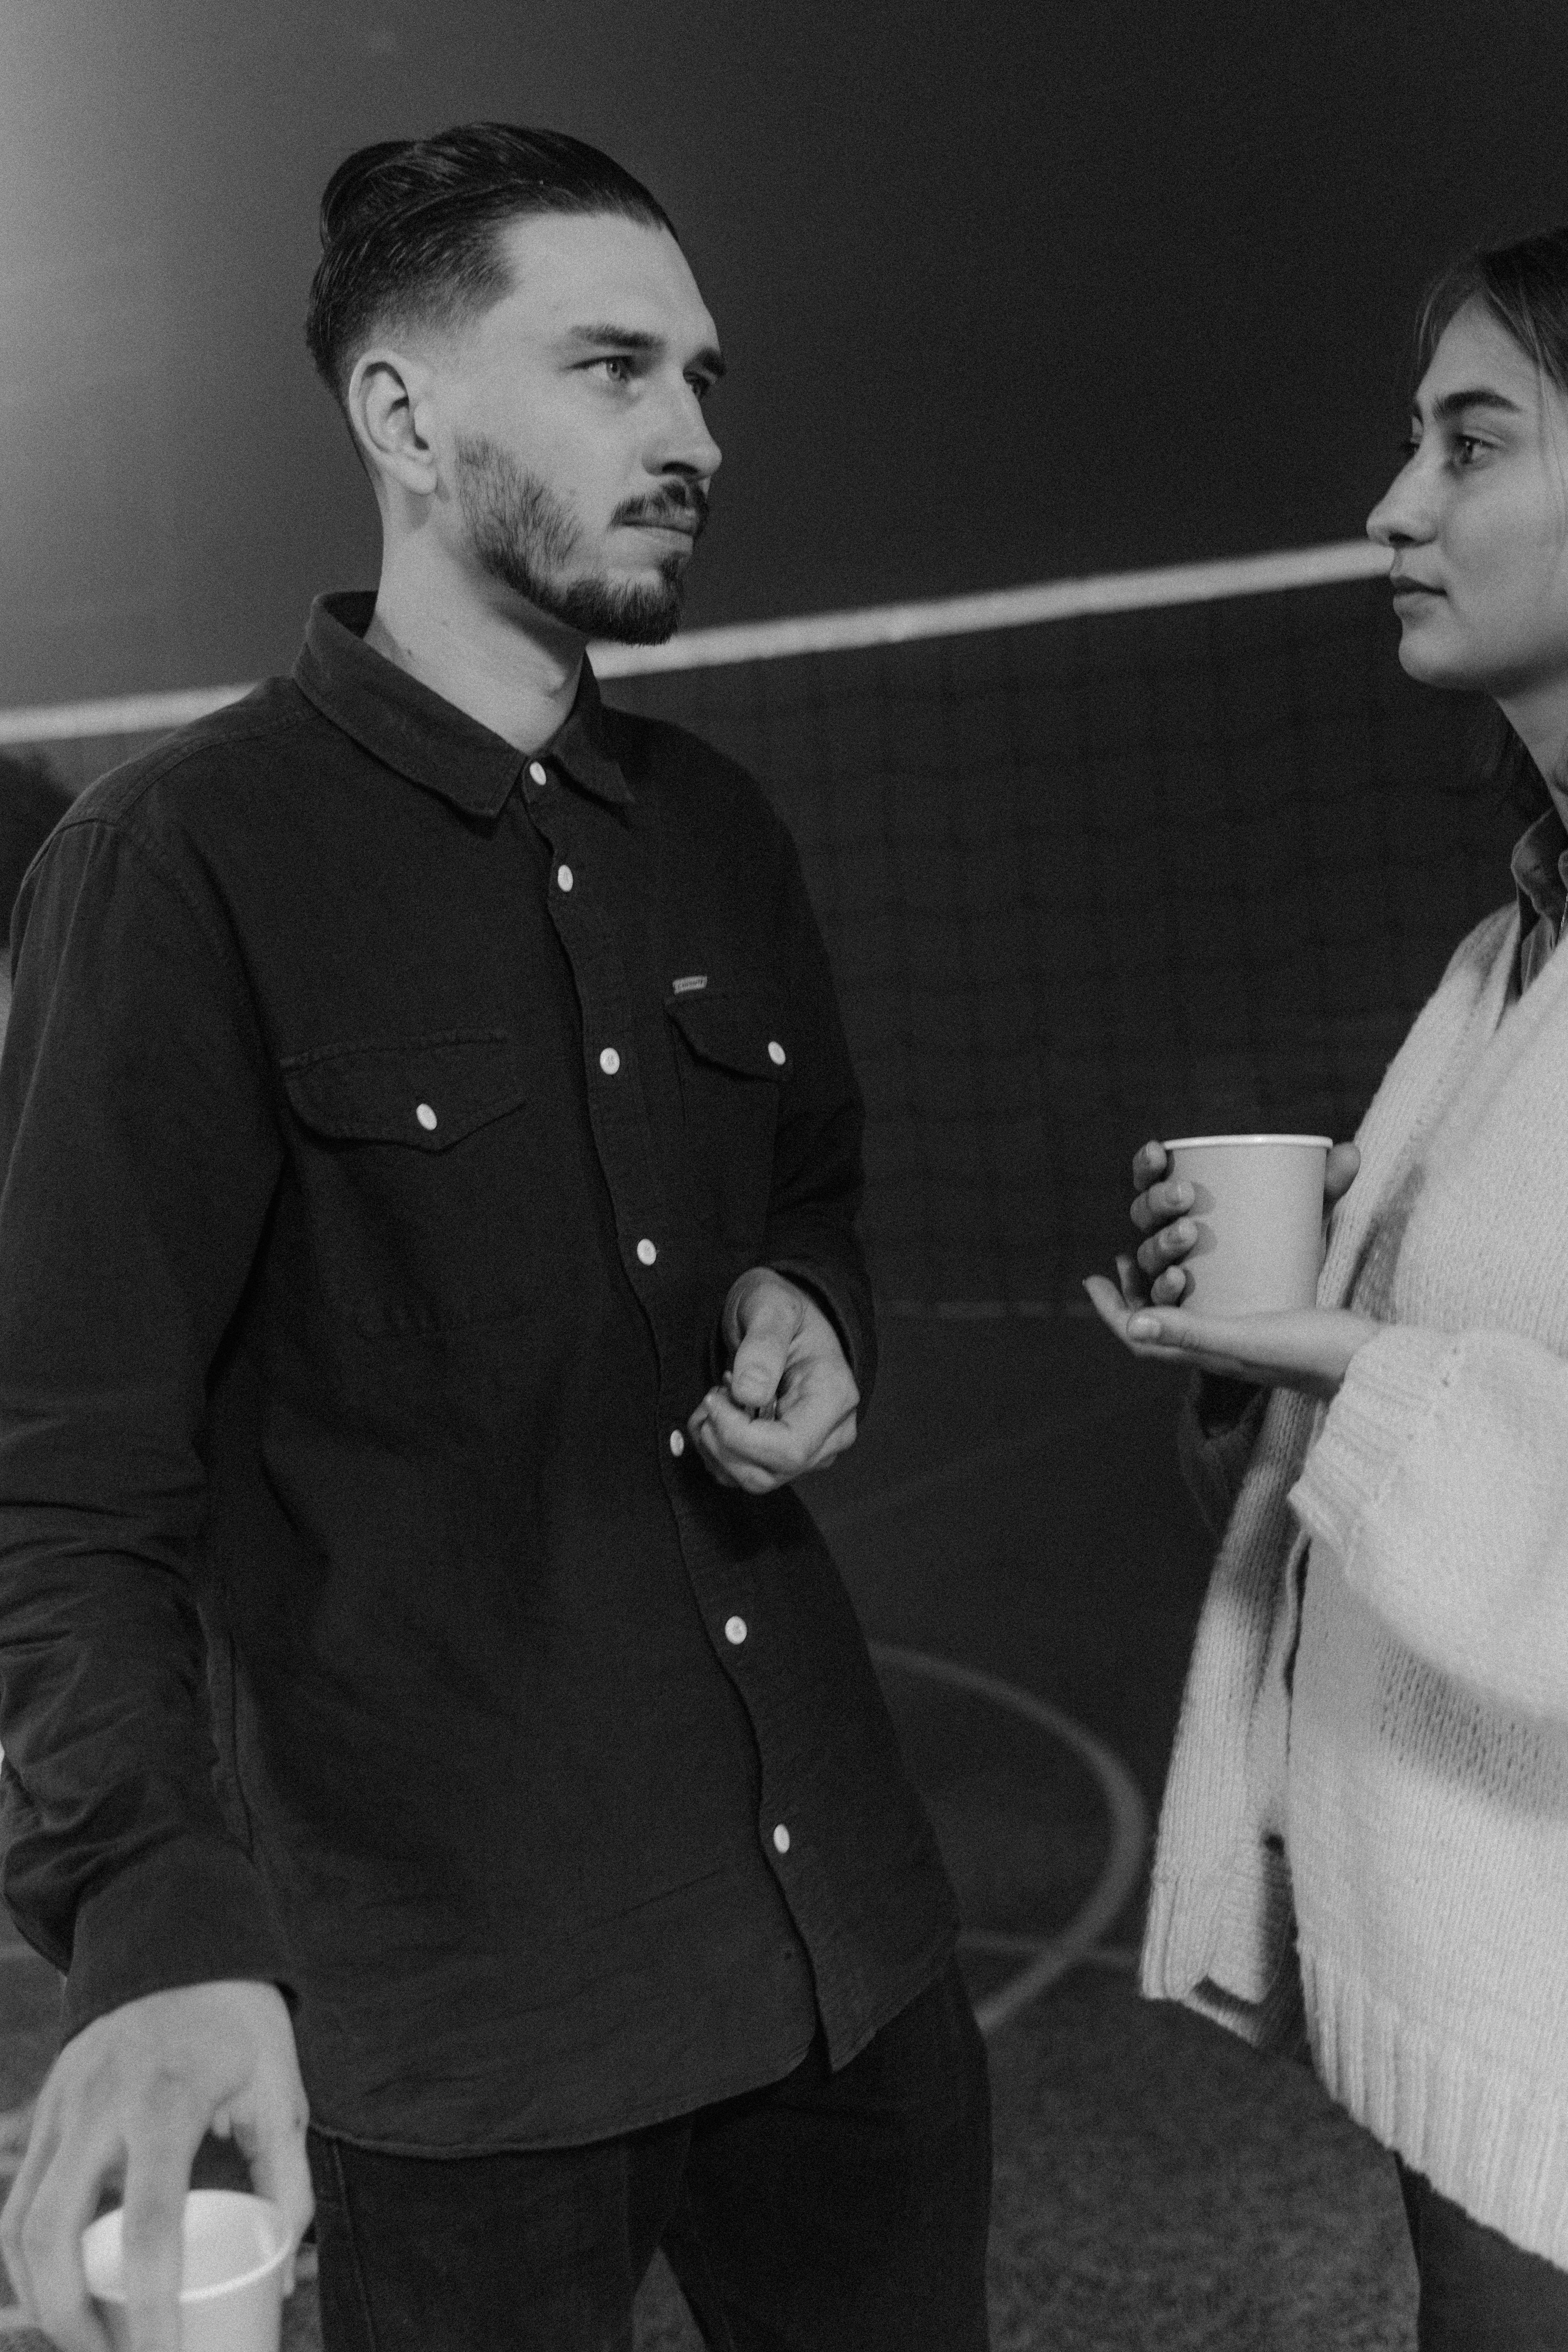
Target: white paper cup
1257	1204
231	2292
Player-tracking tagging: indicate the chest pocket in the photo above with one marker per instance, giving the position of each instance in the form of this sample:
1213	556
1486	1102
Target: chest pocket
733	1057
413	1164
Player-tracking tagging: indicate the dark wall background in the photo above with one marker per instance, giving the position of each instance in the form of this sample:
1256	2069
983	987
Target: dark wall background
1011	288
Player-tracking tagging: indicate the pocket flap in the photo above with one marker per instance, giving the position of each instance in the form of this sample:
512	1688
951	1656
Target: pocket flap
738	1030
426	1091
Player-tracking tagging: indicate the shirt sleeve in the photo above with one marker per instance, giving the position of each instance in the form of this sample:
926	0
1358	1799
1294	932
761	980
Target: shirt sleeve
1215	1433
818	1176
1440	1483
139	1157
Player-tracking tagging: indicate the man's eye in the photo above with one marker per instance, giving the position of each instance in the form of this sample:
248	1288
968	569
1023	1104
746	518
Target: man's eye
1409	445
616	366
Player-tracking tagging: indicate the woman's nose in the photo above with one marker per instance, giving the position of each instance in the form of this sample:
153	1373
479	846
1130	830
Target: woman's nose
1404	513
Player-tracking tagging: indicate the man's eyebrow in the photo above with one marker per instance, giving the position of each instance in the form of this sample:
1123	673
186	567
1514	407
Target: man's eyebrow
1453	403
608	337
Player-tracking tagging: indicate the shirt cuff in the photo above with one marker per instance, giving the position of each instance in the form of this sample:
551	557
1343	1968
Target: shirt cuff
1391	1386
839	1312
187	1913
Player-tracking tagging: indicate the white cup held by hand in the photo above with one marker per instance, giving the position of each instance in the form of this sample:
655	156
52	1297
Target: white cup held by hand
1257	1205
231	2288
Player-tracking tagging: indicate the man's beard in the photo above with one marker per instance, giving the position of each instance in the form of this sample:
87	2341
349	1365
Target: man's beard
524	536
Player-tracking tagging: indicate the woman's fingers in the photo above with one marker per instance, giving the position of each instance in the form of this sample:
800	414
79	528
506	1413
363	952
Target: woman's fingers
1166	1247
1341	1172
1149	1164
1158	1204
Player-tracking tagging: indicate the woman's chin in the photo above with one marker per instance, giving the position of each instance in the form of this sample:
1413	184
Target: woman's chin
1433	664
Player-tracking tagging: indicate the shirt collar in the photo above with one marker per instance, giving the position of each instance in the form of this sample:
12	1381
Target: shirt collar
1540	863
410	728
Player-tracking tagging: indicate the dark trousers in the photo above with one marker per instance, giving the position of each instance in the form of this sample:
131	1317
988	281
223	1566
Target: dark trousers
1479	2293
828	2212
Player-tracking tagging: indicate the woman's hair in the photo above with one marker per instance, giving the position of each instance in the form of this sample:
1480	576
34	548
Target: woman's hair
412	228
1525	287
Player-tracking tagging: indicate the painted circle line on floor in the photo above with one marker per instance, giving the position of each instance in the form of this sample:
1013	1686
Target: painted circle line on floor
1047	1959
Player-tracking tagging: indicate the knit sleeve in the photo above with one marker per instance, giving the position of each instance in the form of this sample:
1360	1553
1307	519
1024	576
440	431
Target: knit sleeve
1440	1483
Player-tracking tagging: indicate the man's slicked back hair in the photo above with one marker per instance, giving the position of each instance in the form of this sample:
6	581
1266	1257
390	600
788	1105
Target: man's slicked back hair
412	228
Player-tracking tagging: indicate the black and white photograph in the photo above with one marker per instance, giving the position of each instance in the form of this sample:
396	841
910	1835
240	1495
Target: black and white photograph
783	1278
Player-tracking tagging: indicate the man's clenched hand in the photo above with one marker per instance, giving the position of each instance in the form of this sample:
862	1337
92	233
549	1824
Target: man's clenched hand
788	1402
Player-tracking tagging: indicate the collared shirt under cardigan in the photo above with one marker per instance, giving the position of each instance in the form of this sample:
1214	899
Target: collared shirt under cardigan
386	1116
1540	867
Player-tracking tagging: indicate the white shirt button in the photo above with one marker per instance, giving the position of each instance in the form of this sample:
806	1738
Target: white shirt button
646	1252
609	1061
426	1118
781	1839
736	1630
563	876
677	1442
536	771
776	1053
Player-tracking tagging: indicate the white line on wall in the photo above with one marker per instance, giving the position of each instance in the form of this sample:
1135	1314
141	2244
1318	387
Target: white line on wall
809	632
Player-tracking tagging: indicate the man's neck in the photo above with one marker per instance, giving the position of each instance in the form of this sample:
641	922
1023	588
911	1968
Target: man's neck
517	676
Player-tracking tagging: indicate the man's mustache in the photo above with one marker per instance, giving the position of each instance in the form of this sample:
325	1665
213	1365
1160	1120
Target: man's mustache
686	512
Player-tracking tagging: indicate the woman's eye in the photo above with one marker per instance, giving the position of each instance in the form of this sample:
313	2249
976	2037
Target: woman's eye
1409	445
1466	445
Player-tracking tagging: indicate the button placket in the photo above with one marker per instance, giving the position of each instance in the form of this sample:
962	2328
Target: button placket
618	1112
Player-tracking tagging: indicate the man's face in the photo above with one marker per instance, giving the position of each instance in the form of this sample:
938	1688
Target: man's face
1477	518
574	455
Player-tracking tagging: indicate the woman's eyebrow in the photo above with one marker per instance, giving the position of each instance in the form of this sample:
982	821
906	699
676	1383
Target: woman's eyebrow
1453	403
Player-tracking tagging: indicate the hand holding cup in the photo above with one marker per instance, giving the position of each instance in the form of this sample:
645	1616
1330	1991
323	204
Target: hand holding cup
1302	1347
1162	1211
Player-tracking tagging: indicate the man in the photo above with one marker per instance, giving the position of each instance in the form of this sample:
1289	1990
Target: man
430	1249
32	802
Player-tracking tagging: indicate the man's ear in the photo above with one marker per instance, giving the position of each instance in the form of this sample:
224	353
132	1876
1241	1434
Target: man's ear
386	402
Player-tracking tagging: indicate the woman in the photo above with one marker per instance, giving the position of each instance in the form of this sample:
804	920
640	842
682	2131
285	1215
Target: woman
1365	1828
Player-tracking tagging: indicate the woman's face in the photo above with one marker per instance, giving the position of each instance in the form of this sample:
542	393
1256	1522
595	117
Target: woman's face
1477	519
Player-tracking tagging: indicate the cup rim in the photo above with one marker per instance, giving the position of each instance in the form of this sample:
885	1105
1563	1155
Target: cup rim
193	2295
1191	1142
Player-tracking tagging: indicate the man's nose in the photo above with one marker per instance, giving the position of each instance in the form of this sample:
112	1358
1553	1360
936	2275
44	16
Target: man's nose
684	444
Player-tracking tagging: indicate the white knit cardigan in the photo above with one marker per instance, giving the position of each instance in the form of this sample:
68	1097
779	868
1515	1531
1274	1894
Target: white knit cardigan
1365	1827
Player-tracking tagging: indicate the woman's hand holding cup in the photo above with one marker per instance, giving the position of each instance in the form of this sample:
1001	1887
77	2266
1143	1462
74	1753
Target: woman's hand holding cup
1306	1348
1155	1276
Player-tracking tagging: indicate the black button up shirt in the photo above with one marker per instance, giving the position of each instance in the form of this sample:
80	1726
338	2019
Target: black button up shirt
386	1116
